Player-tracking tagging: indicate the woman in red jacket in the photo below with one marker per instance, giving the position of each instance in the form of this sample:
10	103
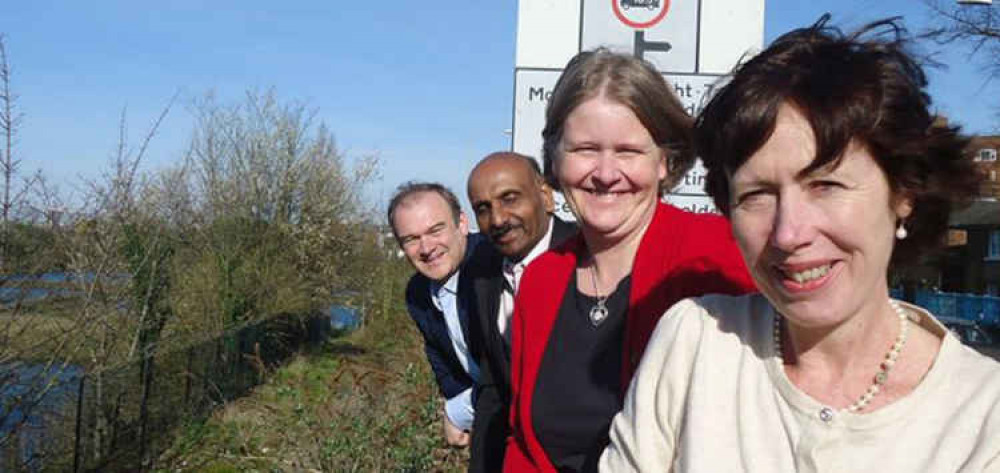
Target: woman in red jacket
615	139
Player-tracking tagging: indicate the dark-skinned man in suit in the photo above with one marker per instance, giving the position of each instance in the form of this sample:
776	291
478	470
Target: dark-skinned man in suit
514	208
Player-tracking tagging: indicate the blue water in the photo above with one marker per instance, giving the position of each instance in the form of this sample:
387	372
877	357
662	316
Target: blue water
25	381
344	318
28	381
17	287
9	295
61	277
49	390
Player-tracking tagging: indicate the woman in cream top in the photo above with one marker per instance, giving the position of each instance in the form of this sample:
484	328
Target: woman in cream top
711	395
824	156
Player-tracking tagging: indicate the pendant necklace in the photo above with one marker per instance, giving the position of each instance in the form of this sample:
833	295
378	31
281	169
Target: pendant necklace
599	311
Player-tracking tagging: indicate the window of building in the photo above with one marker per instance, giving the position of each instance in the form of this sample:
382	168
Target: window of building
986	155
993	250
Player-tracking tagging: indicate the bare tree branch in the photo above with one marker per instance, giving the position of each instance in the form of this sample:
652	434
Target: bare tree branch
976	26
9	123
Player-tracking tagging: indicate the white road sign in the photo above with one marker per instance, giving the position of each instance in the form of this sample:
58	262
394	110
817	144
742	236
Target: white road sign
660	31
692	42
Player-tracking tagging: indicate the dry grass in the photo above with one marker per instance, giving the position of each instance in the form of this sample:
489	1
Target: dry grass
363	403
32	332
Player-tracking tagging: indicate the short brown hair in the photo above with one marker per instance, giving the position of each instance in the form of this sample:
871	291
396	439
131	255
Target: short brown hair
633	83
864	87
411	188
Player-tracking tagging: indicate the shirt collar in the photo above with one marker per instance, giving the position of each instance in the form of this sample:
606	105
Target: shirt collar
451	285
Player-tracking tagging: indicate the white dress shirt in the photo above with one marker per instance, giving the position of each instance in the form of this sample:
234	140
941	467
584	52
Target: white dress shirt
512	274
445	297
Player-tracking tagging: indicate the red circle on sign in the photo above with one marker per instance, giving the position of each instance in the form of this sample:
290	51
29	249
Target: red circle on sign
635	24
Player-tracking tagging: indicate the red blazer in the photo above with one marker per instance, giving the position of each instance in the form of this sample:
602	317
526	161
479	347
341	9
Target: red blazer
681	255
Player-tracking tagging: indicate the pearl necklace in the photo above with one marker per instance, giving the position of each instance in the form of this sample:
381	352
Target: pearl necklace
882	375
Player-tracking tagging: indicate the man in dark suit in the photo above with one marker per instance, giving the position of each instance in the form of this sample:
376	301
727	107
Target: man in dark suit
513	207
432	231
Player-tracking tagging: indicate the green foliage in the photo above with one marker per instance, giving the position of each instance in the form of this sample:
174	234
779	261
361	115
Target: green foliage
277	217
364	403
220	466
238	269
28	248
147	251
262	219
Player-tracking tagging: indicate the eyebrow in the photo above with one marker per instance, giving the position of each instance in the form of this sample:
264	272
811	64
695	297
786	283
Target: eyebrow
430	229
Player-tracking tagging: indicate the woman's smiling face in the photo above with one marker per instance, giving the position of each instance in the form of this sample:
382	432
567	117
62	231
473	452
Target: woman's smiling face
818	245
609	168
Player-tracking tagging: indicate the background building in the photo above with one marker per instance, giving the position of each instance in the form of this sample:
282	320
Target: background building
984	149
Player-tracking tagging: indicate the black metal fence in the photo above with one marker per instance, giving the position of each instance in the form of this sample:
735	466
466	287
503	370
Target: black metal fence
123	418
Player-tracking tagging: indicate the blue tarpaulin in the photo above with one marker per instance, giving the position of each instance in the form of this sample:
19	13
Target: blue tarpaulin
974	307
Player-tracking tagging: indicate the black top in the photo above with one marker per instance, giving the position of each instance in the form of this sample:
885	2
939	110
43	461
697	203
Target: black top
579	381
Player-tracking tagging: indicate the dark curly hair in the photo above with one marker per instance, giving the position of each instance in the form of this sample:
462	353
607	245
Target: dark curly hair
864	87
633	83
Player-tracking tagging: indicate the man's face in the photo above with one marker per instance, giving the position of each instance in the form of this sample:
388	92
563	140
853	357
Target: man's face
429	236
511	204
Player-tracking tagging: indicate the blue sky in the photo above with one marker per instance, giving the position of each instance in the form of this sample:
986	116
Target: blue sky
425	86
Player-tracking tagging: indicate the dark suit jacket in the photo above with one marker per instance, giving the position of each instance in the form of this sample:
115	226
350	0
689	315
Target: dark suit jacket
491	426
451	378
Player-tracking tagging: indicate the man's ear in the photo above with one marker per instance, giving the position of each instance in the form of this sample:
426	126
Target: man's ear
547	199
463	223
